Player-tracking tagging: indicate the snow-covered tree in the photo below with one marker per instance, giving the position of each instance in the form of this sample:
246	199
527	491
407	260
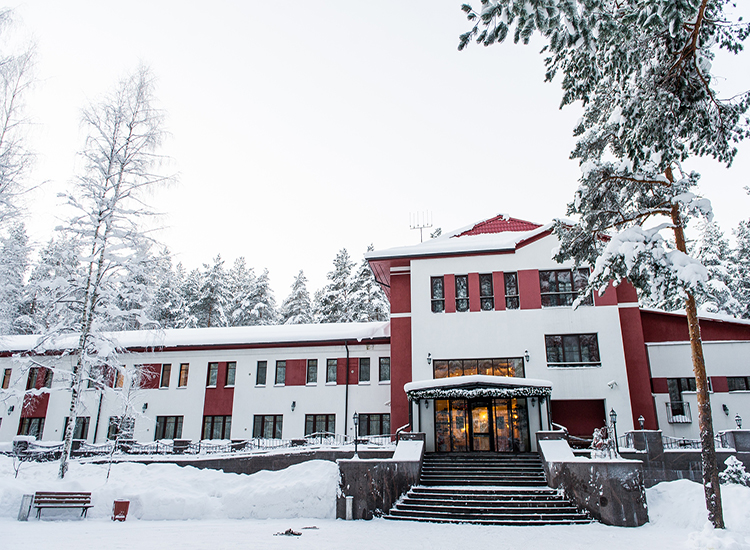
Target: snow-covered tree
642	70
261	301
367	301
167	302
332	301
741	267
189	295
213	301
297	307
711	249
124	132
14	263
241	282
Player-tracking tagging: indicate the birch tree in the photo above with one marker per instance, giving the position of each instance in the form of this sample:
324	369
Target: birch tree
642	70
121	163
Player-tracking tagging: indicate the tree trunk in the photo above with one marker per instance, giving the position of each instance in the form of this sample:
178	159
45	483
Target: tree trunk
711	485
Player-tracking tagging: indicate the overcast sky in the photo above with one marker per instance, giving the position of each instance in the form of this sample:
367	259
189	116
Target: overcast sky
301	127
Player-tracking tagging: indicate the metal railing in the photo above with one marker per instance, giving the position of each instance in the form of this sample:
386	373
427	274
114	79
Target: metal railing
678	412
669	442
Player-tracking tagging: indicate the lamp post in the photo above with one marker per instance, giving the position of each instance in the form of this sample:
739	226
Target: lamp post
641	421
613	419
356	432
738	420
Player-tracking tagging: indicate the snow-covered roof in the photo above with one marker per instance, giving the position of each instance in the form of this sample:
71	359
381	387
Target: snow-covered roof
494	234
478	385
476	380
224	336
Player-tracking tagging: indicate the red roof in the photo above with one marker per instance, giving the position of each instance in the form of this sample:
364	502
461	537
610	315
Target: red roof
500	224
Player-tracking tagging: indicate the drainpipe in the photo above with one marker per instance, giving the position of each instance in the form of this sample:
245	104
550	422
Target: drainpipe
98	415
346	394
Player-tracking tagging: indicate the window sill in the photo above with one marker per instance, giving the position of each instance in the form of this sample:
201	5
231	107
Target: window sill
279	385
331	384
574	366
232	386
181	388
210	386
363	383
311	384
163	387
260	385
385	383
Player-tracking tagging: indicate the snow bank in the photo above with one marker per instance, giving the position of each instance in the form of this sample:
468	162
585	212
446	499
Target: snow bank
168	491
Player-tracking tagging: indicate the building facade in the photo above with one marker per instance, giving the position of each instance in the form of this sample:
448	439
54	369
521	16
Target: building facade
484	348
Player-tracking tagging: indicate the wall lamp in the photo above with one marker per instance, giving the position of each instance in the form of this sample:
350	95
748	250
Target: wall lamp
145	406
429	359
527	356
294	405
725	409
11	409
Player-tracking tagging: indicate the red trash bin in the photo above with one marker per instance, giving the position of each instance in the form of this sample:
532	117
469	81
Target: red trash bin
120	510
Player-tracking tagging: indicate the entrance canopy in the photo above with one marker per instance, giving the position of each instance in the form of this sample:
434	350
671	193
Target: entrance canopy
477	385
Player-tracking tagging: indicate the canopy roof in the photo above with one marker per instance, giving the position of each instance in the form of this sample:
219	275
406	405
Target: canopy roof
477	385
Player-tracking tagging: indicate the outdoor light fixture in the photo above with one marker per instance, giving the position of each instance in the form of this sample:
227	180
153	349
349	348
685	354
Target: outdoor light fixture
527	356
725	409
738	420
426	404
145	406
533	401
294	405
641	421
429	359
613	419
11	409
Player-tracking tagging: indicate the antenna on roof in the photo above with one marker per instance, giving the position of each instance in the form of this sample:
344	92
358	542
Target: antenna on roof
420	220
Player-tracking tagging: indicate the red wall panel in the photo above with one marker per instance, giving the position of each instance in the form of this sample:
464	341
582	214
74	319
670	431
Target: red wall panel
341	371
636	365
474	292
580	416
609	298
296	372
450	294
35	406
150	376
659	385
670	327
400	370
219	400
528	289
498	287
401	293
719	383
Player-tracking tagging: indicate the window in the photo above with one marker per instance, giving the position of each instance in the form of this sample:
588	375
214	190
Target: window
6	379
384	369
31	426
166	371
121	428
81	430
312	371
374	424
364	369
231	371
213	375
572	350
260	376
31	380
561	287
119	378
48	378
267	426
280	373
217	427
512	367
735	383
168	427
320	423
184	368
511	291
438	294
462	293
678	412
331	367
486	292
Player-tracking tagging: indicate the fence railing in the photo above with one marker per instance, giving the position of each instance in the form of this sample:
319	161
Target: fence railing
678	412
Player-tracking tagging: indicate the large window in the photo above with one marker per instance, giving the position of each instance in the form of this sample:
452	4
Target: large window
364	369
231	372
384	369
121	427
35	377
260	375
166	371
320	423
512	299
462	292
331	366
6	378
561	287
678	411
217	427
466	367
374	424
738	383
486	292
267	426
31	426
312	371
168	427
280	379
184	369
213	375
81	430
572	350
437	289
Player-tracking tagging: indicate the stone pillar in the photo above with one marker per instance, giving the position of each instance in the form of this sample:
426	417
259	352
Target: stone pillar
739	439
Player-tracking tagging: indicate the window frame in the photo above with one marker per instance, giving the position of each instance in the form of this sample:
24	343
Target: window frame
563	350
734	379
311	372
364	370
6	378
261	367
182	380
462	293
437	294
486	301
212	373
212	422
383	367
81	429
566	296
279	378
510	282
259	425
231	368
165	375
332	366
381	420
163	423
312	423
512	367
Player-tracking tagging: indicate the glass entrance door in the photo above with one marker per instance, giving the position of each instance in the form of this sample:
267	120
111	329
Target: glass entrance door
481	427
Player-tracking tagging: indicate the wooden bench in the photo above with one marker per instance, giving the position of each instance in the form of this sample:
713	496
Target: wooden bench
58	500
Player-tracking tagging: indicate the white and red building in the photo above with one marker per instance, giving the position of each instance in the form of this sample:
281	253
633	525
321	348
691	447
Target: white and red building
482	350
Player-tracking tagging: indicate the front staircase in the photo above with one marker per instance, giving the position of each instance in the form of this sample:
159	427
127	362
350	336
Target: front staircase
485	488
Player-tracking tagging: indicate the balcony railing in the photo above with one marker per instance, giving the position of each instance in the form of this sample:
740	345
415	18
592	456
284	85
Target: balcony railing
678	412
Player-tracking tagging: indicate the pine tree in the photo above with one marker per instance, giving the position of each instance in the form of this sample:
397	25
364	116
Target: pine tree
332	301
213	301
741	267
642	70
241	282
14	263
712	250
367	301
167	298
297	308
262	302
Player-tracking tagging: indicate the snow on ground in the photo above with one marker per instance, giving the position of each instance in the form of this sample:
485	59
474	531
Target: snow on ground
197	509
